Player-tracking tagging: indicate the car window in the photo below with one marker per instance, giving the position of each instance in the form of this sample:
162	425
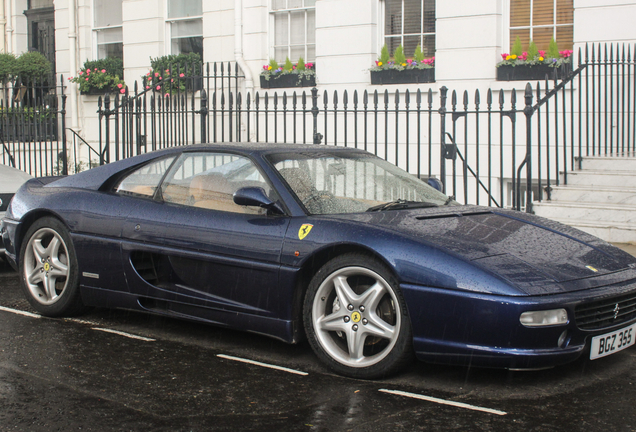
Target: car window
348	183
209	180
144	181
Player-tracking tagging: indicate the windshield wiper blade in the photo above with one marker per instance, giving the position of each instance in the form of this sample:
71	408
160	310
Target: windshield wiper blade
401	204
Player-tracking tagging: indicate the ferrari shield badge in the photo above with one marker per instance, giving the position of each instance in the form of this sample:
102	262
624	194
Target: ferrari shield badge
304	230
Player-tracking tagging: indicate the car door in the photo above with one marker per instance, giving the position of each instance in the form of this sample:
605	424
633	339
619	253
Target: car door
189	243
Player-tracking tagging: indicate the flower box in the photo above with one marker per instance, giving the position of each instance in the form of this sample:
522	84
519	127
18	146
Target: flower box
407	76
97	92
288	80
532	72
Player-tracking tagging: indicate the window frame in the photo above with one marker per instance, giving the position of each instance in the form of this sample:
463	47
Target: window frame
168	28
96	30
382	26
272	32
507	28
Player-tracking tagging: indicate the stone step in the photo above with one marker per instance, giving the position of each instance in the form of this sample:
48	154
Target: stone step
604	213
595	195
616	179
601	163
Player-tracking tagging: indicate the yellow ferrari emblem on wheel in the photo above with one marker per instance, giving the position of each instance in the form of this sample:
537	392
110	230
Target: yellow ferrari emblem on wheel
355	317
304	230
47	266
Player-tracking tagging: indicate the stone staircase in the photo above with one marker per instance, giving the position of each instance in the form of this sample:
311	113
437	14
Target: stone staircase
599	199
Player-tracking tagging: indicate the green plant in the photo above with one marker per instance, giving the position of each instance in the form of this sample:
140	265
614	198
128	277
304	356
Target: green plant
517	49
170	73
384	56
32	66
7	66
553	57
288	66
399	56
553	49
401	62
418	55
533	51
302	69
91	76
113	65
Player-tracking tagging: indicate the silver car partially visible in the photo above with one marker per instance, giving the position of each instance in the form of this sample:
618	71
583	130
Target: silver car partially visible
10	181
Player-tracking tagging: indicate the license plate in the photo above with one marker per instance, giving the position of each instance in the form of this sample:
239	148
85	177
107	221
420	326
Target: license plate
610	343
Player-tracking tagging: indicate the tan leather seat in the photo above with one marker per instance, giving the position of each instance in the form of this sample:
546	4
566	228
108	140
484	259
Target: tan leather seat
213	191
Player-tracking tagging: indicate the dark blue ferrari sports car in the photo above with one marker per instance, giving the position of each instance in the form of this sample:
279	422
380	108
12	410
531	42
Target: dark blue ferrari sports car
367	262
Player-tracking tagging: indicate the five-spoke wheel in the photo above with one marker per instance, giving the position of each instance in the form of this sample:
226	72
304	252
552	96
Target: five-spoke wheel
355	318
48	267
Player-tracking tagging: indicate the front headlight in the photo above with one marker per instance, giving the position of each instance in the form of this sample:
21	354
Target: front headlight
545	318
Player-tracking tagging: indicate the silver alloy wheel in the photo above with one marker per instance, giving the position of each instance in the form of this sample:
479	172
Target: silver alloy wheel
356	333
46	269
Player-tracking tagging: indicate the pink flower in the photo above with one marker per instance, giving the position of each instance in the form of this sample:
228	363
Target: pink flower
172	80
103	70
147	87
167	70
95	69
119	85
160	78
88	71
86	79
81	73
156	74
69	78
541	53
504	55
309	65
148	74
158	87
264	67
181	75
167	94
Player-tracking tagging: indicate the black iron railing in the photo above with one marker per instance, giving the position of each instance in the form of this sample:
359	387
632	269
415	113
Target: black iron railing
477	143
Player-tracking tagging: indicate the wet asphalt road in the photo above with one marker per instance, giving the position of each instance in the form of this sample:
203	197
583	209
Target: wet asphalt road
71	375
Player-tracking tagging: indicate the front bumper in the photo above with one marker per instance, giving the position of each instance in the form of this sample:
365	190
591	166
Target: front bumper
457	327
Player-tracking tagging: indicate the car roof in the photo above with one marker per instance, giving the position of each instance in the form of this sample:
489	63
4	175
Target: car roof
94	178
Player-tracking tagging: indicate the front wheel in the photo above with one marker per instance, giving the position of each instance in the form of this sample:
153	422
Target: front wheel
355	318
49	270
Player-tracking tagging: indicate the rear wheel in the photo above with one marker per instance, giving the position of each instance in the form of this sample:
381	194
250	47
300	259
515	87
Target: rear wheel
49	270
355	318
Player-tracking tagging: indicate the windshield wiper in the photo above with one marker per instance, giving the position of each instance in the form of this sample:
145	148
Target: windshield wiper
401	204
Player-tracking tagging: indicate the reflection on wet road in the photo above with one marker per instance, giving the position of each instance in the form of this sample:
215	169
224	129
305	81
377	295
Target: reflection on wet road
118	370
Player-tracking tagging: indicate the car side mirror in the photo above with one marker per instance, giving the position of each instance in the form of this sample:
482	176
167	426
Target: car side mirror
435	184
256	196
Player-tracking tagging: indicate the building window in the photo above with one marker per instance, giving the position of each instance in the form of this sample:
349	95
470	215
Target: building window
107	26
542	20
186	26
410	23
294	23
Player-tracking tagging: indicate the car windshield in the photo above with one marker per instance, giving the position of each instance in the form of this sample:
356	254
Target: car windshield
353	182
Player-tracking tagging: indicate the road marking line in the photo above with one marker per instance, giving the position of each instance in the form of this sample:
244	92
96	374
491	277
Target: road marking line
81	321
128	335
444	402
20	312
284	369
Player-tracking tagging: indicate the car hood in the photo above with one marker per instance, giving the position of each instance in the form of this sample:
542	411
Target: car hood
523	249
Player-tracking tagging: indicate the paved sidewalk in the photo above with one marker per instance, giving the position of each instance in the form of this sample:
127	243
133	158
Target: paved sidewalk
627	247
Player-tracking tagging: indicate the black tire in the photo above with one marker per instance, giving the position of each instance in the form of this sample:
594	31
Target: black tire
357	340
49	270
